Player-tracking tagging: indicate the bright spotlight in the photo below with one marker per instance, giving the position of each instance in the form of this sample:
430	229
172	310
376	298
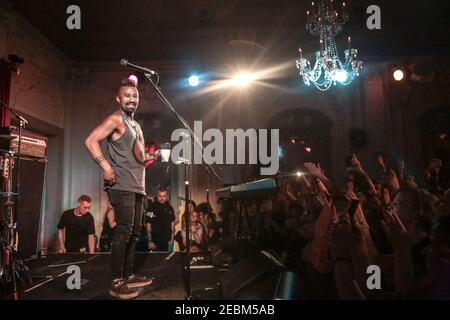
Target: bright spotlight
193	81
299	173
243	79
398	75
341	76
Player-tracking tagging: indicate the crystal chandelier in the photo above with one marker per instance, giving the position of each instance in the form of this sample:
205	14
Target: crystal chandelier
326	23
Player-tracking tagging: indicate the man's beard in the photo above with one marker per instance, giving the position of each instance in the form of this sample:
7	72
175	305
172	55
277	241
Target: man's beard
130	108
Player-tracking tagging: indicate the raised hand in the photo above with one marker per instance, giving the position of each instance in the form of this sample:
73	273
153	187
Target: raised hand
400	237
380	161
356	165
401	167
314	169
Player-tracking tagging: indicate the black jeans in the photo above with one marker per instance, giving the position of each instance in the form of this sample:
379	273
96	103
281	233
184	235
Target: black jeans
128	207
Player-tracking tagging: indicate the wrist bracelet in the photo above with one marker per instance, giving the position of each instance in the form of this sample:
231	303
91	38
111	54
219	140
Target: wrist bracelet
99	159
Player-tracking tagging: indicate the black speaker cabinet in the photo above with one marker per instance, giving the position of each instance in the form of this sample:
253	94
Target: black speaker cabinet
255	277
29	210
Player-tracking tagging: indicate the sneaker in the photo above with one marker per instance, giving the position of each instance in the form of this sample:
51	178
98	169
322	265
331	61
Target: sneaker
135	281
120	290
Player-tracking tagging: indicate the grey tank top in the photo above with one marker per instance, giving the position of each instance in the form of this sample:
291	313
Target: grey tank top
126	157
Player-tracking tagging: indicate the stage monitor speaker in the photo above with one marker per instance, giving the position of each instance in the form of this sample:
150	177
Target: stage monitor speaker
260	276
29	211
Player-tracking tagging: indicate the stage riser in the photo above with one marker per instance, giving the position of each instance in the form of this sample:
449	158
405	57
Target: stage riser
95	276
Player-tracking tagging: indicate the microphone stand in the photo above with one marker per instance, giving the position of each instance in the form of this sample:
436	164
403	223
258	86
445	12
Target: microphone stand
207	184
16	264
187	171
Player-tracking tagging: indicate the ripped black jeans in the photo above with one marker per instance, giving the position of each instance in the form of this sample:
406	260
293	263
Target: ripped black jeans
128	207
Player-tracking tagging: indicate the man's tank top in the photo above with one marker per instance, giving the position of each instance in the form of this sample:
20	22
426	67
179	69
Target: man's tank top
126	156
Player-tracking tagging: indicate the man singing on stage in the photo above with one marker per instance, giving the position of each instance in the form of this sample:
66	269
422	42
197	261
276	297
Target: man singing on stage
124	177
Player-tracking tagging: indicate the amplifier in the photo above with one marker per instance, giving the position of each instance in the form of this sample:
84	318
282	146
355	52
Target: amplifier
32	145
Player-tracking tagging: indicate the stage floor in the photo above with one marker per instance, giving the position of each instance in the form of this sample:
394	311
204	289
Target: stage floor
166	270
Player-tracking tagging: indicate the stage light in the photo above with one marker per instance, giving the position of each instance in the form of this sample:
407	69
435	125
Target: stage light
308	149
243	79
398	72
133	79
194	81
398	75
442	136
341	76
299	173
280	152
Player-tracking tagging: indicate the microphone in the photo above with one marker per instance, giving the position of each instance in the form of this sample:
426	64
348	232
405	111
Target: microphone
126	63
25	121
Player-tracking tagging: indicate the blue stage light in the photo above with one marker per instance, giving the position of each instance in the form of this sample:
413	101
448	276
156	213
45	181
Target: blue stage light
193	81
341	76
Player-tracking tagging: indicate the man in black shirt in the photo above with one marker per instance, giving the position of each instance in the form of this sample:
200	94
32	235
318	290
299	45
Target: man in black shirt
79	229
160	222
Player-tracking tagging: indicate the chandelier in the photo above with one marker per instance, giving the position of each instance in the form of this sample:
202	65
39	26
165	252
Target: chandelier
325	22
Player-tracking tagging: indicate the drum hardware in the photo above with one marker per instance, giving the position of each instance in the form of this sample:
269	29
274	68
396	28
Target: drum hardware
12	269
